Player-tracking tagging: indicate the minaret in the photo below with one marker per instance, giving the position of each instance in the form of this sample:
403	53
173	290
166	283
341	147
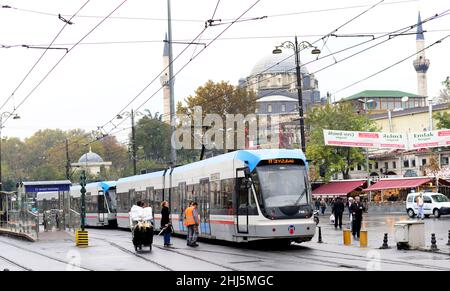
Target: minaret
421	63
165	83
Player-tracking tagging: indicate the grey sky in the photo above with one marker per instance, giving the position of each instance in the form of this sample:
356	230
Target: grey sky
95	81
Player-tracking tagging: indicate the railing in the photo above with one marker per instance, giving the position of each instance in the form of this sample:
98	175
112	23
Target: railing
22	222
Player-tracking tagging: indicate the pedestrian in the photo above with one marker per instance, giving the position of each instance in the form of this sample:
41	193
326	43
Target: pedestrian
338	211
357	210
419	201
323	206
318	204
166	224
137	212
191	221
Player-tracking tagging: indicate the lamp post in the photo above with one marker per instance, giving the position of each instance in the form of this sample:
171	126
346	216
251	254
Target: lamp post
4	115
296	46
132	114
365	102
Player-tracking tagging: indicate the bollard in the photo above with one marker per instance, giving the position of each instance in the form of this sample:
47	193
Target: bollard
385	242
347	237
448	238
363	238
320	235
82	239
433	243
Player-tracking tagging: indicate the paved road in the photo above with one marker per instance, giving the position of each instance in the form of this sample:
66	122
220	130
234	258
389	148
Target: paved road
113	250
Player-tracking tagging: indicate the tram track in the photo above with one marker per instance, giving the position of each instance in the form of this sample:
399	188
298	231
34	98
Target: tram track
15	264
173	250
386	261
43	255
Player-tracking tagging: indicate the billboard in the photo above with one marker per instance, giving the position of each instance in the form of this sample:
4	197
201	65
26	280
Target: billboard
378	140
384	140
429	139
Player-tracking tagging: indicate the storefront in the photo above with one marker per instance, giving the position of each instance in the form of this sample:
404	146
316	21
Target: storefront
392	190
341	188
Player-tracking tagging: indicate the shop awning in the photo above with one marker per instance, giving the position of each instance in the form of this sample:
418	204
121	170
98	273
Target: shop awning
398	184
338	188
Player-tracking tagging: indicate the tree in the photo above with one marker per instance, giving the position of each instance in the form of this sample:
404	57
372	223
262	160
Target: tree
331	159
444	118
220	98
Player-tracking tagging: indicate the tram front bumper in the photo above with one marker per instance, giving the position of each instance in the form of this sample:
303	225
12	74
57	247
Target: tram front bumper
303	230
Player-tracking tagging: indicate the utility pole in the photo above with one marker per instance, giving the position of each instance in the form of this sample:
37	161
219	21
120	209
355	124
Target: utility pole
83	199
300	96
171	82
133	143
67	160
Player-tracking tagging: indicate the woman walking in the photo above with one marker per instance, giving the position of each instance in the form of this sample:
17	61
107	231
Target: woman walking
166	224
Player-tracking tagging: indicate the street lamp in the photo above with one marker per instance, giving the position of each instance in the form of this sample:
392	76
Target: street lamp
297	47
4	115
131	114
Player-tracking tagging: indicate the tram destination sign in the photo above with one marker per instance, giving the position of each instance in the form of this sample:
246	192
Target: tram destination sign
379	140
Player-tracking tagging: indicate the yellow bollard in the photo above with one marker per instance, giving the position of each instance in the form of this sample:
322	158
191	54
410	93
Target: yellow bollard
347	237
363	239
82	239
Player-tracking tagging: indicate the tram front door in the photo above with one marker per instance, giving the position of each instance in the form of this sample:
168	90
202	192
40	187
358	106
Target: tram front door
242	201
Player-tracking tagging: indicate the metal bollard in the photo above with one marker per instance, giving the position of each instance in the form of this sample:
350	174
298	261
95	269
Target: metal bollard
433	243
363	239
347	237
448	238
385	242
320	235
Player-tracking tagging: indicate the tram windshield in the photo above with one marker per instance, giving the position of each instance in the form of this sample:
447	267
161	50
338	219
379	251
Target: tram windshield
112	200
283	185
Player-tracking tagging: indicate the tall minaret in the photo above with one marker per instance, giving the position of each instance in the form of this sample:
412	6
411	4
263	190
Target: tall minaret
421	64
165	82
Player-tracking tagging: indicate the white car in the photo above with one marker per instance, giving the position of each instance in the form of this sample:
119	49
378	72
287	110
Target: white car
434	204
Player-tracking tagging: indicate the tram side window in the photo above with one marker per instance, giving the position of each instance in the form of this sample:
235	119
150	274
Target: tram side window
123	203
225	201
174	200
189	194
158	200
215	197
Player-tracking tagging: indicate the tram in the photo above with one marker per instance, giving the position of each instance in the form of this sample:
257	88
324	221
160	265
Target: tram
101	203
242	196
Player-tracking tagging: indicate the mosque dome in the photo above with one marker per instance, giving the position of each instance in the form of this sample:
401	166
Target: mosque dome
90	157
276	64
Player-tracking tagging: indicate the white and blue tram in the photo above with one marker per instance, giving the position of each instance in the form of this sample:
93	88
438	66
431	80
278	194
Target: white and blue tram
101	203
242	196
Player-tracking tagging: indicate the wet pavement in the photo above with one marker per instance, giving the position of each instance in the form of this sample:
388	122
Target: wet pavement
113	250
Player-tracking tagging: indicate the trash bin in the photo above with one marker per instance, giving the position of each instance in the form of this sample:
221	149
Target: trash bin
410	234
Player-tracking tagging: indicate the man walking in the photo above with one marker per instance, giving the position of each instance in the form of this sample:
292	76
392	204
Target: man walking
419	201
357	210
191	221
338	211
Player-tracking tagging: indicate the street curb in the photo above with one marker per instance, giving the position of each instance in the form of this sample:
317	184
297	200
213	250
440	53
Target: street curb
440	251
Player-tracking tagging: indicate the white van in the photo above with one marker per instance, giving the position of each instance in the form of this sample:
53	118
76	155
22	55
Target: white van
434	204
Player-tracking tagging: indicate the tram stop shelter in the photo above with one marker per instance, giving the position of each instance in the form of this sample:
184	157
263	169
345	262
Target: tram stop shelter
339	188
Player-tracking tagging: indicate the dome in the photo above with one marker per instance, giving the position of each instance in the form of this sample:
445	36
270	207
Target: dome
90	157
277	63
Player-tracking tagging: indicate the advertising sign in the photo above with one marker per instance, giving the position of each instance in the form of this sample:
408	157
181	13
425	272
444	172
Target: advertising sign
429	139
379	140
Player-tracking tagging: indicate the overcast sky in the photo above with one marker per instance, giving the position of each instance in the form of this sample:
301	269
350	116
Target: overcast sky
94	81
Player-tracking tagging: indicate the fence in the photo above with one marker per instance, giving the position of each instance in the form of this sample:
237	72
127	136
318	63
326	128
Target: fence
23	222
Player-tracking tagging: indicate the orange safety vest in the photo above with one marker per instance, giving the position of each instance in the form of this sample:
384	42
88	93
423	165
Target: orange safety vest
189	216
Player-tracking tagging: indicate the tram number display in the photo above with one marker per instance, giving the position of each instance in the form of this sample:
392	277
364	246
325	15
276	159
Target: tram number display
282	162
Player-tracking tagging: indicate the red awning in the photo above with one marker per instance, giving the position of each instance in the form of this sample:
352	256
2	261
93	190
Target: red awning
398	184
338	188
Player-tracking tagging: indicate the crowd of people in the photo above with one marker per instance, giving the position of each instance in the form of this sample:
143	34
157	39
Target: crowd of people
355	208
143	212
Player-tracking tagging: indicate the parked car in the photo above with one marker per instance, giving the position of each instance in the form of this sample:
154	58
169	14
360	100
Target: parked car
435	204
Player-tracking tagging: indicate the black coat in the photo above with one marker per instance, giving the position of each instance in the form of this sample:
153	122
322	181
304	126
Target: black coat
165	216
357	210
338	207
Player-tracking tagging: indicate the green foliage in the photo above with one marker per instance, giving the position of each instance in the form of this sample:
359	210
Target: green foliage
335	159
443	119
